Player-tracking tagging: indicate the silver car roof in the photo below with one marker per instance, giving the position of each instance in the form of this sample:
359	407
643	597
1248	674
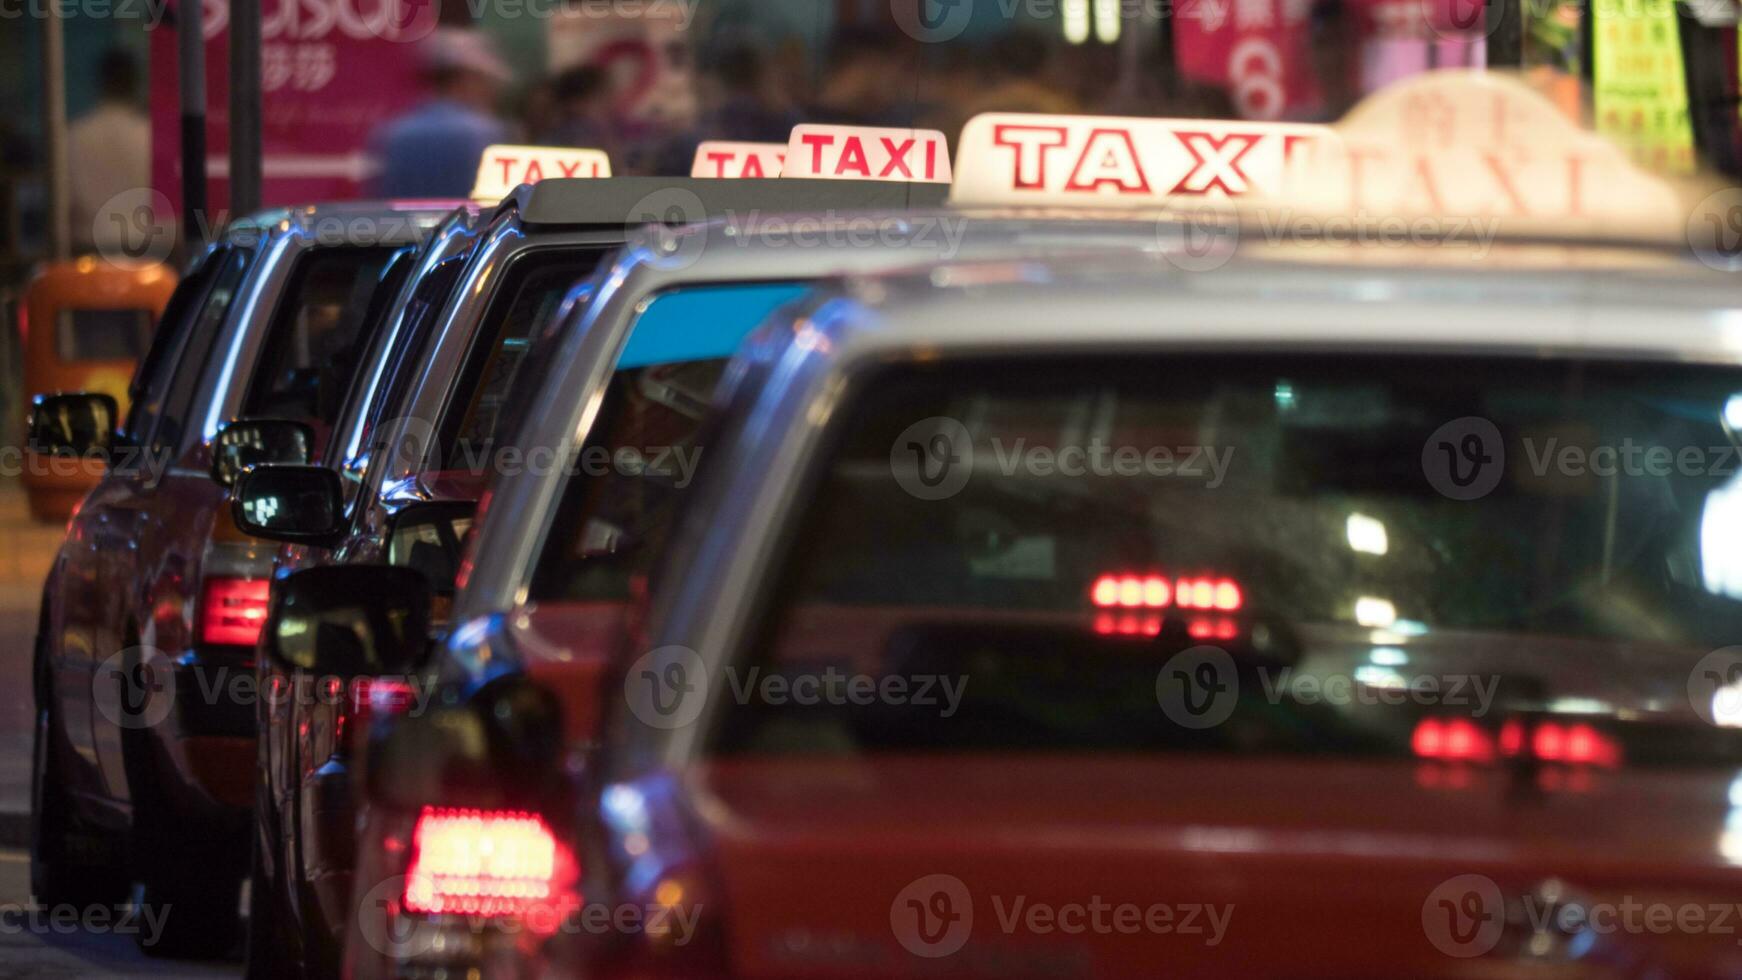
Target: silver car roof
746	248
722	559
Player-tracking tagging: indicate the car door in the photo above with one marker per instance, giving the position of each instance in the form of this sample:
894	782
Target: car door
132	529
94	555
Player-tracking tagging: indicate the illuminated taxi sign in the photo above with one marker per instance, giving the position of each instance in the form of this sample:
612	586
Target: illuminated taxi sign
1477	144
738	161
868	153
1095	161
503	168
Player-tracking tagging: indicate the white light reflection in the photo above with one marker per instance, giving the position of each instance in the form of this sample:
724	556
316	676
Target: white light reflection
1367	535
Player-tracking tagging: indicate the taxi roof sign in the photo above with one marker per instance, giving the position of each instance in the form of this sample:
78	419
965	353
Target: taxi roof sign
1463	143
504	167
738	161
1445	145
1107	161
868	153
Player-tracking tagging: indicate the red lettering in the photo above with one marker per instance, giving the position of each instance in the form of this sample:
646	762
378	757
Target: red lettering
534	173
1504	180
753	167
719	159
897	157
818	142
507	168
1222	163
853	159
1117	164
1031	143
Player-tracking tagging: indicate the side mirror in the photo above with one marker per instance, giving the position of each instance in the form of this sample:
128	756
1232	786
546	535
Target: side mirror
292	504
80	424
350	621
259	442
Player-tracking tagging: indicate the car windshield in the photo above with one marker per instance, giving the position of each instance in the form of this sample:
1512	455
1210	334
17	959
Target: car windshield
626	481
1327	554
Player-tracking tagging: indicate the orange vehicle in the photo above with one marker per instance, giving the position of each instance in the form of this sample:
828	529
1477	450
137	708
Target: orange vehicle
86	322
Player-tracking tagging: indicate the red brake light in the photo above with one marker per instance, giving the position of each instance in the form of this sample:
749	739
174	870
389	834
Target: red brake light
491	863
1462	740
233	611
1150	591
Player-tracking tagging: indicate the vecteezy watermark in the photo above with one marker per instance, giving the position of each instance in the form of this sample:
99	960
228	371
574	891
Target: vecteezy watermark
939	236
667	687
933	459
144	921
22	461
675	465
1715	687
139	225
1715	229
1466	458
934	917
1470	914
391	931
1471	234
138	688
1200	687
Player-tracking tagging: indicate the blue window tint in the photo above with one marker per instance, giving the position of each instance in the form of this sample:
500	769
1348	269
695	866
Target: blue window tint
702	323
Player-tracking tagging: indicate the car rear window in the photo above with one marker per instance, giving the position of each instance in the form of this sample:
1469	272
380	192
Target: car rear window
1056	535
102	335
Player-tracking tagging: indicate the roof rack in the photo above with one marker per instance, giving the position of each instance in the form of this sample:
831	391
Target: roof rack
620	201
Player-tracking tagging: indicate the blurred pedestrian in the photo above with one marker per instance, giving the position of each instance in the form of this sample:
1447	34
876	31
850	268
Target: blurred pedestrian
109	153
744	109
581	113
433	150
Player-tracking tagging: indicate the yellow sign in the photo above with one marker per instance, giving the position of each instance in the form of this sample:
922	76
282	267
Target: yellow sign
1641	85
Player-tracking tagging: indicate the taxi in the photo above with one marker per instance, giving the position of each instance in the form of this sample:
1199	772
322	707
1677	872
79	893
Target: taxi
832	719
407	469
94	320
144	755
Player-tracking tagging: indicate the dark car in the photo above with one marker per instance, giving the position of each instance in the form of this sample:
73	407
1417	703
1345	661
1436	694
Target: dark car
411	469
144	759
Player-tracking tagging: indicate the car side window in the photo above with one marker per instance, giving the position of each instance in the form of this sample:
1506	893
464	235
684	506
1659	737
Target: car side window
314	345
151	379
231	269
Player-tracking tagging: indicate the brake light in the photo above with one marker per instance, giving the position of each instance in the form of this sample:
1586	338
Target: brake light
488	863
1462	740
371	696
233	611
1153	591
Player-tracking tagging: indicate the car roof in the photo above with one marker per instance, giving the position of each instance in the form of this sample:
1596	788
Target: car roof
347	222
1513	299
626	201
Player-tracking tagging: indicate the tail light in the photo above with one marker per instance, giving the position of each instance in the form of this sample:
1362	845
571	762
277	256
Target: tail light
372	697
488	864
1155	591
233	611
1462	740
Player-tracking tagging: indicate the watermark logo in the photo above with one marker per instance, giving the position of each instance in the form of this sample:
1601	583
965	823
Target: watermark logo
933	916
1464	916
674	248
1198	687
1465	458
135	688
1202	237
932	459
1715	687
667	687
1715	230
134	227
932	21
